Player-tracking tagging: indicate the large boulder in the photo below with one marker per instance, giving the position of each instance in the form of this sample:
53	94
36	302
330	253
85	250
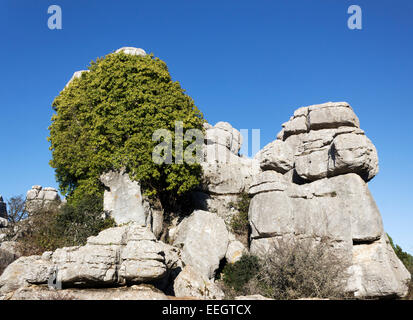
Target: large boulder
123	198
377	272
124	202
25	271
191	283
203	237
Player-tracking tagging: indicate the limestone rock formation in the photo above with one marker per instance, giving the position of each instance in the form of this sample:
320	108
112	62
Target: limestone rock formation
225	172
39	198
313	186
326	140
191	283
3	209
124	202
203	237
119	255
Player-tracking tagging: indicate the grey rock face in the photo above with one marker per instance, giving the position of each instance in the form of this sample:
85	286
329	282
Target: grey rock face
203	238
191	283
325	141
39	198
25	271
225	173
3	209
377	272
123	201
319	191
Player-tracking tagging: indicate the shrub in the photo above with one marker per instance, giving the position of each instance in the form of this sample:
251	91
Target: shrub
238	274
105	121
407	260
302	269
69	225
239	221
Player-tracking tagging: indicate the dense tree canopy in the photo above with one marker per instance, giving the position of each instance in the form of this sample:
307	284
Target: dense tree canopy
106	118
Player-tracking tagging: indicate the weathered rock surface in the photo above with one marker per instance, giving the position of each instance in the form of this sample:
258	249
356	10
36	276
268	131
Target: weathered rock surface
39	198
225	173
25	271
126	254
326	141
3	209
377	272
191	283
132	51
203	238
124	202
136	292
319	191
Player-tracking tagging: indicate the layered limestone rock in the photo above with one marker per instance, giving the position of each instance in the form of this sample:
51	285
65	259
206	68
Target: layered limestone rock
124	202
313	186
39	198
3	209
225	173
128	254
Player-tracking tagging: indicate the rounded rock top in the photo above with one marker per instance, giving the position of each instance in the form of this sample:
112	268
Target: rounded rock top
132	51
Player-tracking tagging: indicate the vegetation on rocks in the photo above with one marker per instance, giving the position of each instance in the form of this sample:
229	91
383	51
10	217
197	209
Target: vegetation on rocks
239	222
290	270
407	260
105	120
68	225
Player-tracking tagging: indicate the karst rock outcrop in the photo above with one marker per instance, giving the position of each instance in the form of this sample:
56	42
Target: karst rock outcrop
310	183
313	185
39	198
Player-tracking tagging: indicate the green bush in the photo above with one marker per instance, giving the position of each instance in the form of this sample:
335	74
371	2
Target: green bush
237	275
239	222
294	269
106	118
69	225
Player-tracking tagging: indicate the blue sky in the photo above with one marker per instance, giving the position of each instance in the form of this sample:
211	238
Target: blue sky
251	63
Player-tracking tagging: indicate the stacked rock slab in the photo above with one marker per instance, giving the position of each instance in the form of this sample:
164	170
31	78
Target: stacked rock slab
225	173
39	198
128	254
314	186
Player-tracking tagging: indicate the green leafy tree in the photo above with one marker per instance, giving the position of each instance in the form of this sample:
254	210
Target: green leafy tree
105	120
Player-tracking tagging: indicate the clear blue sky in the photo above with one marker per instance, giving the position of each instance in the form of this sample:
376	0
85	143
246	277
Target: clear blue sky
251	63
